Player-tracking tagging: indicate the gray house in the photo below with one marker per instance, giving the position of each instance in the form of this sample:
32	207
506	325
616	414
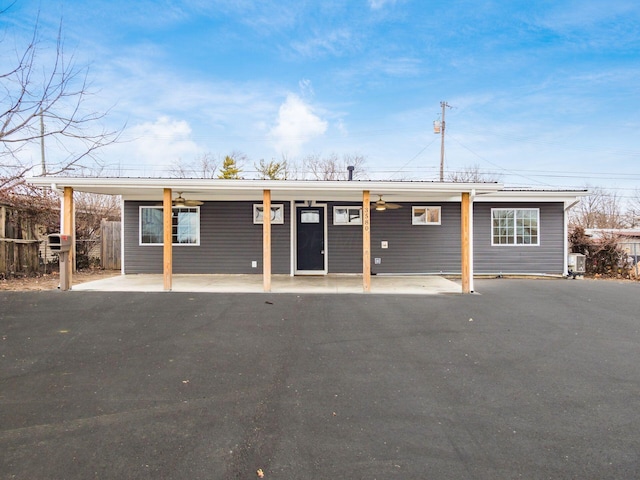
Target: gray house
203	226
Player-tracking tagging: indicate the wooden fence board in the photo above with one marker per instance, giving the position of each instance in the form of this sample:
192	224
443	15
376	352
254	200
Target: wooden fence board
111	252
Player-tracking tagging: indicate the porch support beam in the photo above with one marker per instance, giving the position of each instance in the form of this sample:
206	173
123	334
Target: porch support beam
266	240
465	230
167	240
67	229
366	241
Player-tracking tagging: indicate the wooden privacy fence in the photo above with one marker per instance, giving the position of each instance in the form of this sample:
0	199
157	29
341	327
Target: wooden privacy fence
30	256
18	242
110	249
18	256
24	246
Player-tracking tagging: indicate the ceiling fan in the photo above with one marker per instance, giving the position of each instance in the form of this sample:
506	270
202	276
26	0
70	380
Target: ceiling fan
180	201
381	205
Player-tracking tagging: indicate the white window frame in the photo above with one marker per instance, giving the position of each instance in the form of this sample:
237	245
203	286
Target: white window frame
414	219
277	213
515	235
355	221
173	235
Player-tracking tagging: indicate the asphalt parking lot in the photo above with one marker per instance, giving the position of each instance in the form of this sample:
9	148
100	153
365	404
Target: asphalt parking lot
533	379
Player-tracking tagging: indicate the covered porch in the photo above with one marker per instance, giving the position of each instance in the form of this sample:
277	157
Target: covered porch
165	191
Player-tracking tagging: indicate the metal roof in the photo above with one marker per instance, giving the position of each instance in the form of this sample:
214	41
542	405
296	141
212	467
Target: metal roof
151	188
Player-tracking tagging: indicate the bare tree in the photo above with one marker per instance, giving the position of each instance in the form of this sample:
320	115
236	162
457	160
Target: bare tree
633	210
37	213
46	100
91	210
204	166
333	167
39	208
472	174
293	170
600	209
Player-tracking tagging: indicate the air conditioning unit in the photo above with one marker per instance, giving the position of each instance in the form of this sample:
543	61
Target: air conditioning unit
577	264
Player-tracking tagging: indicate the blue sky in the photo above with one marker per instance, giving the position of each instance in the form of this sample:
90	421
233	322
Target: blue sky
543	93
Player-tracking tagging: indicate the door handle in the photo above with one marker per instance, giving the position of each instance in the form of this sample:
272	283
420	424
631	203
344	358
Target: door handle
322	252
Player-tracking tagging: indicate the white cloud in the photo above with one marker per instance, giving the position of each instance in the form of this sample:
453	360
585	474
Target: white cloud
342	128
378	4
333	43
306	88
297	124
397	67
158	144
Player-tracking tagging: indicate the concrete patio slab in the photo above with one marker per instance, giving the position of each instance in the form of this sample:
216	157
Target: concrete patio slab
339	284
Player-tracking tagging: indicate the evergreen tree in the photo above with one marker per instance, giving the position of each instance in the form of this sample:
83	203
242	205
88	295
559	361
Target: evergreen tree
230	169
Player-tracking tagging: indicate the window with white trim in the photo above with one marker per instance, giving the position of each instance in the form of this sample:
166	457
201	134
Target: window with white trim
515	226
347	215
277	213
185	225
425	215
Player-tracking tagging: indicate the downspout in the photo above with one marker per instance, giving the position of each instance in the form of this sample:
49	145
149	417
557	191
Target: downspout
565	271
122	269
292	237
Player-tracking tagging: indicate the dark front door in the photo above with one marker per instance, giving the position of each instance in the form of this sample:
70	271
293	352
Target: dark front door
310	239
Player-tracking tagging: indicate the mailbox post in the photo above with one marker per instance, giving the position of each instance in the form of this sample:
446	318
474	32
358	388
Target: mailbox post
61	244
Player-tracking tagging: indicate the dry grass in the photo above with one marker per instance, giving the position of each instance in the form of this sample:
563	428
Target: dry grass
52	280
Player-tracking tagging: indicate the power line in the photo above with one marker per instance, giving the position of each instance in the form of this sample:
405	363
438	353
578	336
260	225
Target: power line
494	164
412	159
534	141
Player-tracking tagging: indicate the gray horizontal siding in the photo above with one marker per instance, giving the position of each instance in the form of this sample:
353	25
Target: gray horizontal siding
412	248
416	248
229	242
548	257
344	243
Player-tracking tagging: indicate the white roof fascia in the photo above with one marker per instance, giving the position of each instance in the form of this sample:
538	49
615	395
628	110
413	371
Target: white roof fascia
568	197
222	189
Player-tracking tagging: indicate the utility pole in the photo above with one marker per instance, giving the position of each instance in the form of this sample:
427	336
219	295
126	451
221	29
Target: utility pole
44	165
444	105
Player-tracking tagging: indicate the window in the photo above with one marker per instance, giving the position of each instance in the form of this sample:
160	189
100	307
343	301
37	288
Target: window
425	215
310	216
347	215
515	226
185	225
277	213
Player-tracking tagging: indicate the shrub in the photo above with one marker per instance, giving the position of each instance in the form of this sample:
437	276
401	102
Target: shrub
603	255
